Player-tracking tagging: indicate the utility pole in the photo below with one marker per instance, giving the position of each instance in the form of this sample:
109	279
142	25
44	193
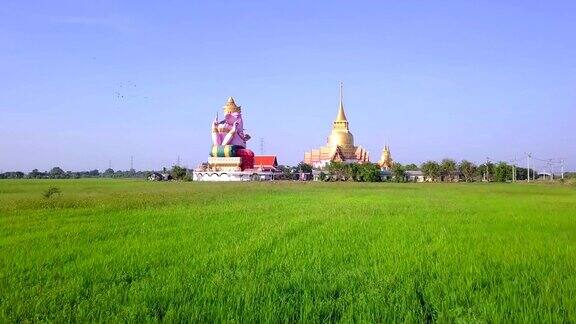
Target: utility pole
131	162
514	170
562	167
487	169
528	156
178	161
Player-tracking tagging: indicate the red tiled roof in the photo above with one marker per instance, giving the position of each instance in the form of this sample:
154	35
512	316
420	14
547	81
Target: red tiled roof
265	160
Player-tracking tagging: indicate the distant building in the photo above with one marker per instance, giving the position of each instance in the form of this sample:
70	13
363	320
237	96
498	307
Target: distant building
545	175
453	176
265	163
156	176
385	175
415	176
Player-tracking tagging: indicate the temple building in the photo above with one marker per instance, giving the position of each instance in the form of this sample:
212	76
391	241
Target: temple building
340	146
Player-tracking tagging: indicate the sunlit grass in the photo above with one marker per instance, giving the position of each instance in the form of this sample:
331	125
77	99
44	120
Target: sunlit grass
117	250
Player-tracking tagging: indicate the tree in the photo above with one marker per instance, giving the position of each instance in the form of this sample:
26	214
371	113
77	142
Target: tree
352	171
431	170
468	170
486	171
502	172
189	175
411	167
398	173
50	192
12	175
522	173
57	173
447	169
287	172
178	172
368	172
338	171
569	175
72	175
35	174
304	167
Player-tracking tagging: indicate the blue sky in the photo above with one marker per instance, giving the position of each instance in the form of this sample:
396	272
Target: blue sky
85	82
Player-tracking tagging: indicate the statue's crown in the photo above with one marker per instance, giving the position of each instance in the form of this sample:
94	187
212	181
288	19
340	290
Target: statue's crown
231	107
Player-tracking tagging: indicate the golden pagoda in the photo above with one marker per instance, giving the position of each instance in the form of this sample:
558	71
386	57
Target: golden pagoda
386	161
340	146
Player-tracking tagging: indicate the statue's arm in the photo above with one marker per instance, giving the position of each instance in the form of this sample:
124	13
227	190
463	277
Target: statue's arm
230	134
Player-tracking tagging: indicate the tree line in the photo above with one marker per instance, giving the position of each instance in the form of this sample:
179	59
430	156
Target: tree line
446	170
337	171
59	173
449	170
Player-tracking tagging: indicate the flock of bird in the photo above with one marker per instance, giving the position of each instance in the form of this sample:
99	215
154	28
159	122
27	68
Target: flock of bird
126	91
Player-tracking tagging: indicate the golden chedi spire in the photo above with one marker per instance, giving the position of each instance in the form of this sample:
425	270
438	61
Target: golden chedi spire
340	135
386	161
341	121
341	117
231	107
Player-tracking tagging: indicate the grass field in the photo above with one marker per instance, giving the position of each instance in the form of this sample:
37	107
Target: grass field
123	250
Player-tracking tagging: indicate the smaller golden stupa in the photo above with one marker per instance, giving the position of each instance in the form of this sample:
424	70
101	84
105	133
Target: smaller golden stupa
386	161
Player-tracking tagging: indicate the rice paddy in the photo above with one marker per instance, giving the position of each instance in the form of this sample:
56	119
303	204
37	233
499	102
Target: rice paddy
129	250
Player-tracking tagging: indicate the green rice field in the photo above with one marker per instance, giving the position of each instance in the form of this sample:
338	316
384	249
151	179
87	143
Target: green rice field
133	251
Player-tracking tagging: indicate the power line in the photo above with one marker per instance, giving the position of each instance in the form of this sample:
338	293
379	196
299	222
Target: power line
534	163
550	163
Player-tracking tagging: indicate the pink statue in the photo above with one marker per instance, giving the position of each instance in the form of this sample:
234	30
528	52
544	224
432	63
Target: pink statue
229	139
230	130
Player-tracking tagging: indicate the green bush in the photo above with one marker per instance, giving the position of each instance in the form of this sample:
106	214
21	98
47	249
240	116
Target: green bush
51	192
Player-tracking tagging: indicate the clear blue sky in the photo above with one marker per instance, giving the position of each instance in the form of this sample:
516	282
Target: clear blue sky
460	79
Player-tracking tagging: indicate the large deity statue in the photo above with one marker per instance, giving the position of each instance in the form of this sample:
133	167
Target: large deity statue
230	130
230	159
229	150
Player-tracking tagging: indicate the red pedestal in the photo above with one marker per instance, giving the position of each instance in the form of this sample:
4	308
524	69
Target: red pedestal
247	158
